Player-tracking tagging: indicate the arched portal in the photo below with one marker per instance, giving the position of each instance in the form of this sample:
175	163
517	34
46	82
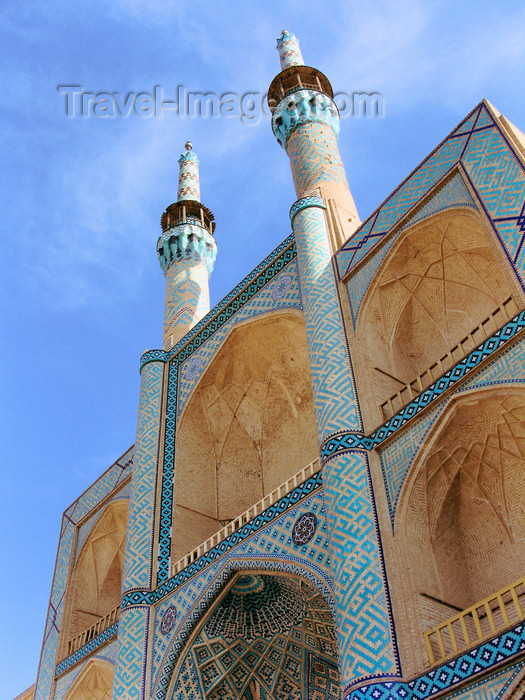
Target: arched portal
444	277
268	636
95	682
461	520
95	586
248	427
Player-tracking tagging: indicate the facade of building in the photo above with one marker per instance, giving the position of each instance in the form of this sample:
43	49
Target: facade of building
326	495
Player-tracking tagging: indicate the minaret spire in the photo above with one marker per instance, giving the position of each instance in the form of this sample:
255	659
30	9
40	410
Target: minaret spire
189	187
289	51
186	251
305	121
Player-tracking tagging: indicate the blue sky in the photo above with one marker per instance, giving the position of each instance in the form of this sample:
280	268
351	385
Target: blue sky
82	291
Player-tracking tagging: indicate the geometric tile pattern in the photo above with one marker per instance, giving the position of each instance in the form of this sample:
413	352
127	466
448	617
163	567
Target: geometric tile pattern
64	683
453	193
397	457
473	663
267	299
139	543
492	688
332	380
509	366
230	304
132	655
289	51
479	146
137	561
298	655
366	637
290	500
218	317
109	482
366	641
87	649
270	549
189	187
343	441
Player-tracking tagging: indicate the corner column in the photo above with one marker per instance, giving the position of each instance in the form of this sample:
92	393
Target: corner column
366	643
133	639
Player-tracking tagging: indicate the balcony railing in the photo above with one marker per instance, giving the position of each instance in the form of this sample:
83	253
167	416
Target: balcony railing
245	517
477	623
93	631
484	330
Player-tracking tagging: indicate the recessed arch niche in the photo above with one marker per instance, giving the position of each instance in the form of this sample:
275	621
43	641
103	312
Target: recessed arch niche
95	585
266	636
460	523
248	426
95	682
443	277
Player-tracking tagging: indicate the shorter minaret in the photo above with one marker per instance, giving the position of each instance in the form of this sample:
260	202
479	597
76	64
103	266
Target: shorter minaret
187	252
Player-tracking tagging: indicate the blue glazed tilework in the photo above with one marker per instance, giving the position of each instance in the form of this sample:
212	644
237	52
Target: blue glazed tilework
146	597
282	635
231	305
86	650
340	442
492	688
507	367
130	673
139	542
64	683
398	456
453	193
109	481
263	302
269	549
483	659
493	170
335	400
232	302
366	637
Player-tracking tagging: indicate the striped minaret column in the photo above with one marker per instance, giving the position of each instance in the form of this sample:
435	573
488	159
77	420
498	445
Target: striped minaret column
305	122
186	252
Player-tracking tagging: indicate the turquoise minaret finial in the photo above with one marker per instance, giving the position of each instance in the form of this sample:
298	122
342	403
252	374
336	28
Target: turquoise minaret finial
289	51
186	252
189	187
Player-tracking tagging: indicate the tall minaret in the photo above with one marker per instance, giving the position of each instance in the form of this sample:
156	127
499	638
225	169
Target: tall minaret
186	251
305	121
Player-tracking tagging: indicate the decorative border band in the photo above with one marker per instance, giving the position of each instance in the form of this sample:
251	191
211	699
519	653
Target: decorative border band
343	441
96	642
299	493
304	203
463	668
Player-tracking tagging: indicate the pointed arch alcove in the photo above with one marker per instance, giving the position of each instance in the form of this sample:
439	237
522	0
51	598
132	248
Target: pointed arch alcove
95	682
460	523
248	426
444	277
95	585
266	636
